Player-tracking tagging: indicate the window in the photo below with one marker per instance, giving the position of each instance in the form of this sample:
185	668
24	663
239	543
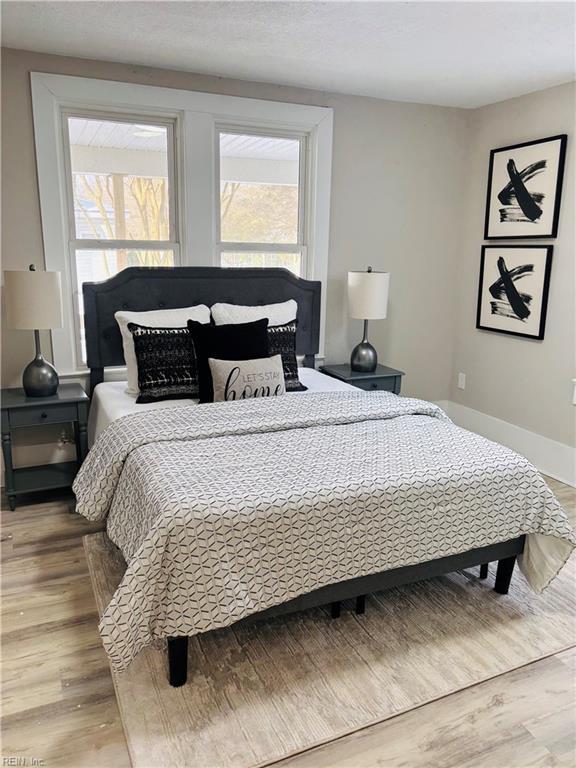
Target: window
141	175
121	199
262	201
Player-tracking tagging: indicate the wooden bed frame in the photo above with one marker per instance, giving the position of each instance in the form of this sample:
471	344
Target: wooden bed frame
146	288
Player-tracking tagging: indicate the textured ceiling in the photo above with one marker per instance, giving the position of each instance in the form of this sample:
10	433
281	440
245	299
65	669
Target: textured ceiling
463	54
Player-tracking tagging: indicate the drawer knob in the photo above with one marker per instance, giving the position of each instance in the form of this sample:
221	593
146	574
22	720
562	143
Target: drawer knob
43	415
374	385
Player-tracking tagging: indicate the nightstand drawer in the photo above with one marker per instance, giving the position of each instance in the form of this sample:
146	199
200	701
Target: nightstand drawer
386	385
52	414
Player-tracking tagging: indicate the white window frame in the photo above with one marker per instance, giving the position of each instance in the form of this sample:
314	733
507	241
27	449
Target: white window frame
196	116
303	197
75	243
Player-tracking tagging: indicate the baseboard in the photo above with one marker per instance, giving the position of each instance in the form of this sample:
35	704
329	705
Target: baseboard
552	458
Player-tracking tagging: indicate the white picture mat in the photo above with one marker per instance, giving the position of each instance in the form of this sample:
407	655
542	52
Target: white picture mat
544	182
532	284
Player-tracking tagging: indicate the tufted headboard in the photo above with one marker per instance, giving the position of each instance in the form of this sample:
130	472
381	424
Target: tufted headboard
143	288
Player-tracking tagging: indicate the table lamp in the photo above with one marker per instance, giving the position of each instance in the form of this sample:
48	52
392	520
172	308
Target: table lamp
367	300
33	302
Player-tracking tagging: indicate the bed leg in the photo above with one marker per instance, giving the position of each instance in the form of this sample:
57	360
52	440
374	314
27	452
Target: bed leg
504	575
335	610
360	604
484	571
177	660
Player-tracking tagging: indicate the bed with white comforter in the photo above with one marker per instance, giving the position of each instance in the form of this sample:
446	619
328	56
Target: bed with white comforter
226	509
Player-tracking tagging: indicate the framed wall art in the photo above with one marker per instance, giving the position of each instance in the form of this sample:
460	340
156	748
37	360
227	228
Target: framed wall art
513	289
524	189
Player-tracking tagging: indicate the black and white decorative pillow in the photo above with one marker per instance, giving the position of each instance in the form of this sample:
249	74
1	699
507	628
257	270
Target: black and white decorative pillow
167	368
247	379
282	341
238	341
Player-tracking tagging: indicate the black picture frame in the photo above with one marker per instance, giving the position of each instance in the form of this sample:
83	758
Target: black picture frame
562	138
539	336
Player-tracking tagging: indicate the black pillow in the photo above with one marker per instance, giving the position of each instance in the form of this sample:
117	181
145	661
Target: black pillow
282	341
238	341
167	368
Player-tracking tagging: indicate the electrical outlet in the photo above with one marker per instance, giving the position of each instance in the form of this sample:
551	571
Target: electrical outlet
461	381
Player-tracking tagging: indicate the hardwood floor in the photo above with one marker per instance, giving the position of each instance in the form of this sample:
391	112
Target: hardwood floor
58	700
59	704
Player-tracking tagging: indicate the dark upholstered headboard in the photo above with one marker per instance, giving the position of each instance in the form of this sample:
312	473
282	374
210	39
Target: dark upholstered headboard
143	288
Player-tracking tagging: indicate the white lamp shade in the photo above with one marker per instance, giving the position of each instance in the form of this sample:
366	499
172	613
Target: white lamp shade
33	300
368	295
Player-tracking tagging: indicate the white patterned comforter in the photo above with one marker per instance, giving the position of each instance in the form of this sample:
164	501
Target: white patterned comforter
225	509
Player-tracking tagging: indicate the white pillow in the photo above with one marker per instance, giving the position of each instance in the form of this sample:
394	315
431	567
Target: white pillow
246	379
156	318
277	314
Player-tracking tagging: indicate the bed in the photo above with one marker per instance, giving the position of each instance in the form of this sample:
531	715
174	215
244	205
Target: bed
224	511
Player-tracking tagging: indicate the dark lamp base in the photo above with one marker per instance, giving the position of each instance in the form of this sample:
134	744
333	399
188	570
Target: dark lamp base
364	358
40	378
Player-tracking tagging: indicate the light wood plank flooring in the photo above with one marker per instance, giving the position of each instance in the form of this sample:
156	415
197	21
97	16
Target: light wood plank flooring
59	704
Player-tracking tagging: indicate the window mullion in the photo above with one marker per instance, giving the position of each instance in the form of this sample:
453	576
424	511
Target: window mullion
198	188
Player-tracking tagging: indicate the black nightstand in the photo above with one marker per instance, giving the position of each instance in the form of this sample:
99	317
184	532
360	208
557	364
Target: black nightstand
383	378
69	404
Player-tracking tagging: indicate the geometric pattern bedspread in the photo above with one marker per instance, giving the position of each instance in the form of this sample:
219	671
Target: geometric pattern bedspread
225	509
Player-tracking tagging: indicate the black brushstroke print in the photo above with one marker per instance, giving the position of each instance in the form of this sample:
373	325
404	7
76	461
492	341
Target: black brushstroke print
497	288
531	209
513	213
502	309
528	203
507	194
517	303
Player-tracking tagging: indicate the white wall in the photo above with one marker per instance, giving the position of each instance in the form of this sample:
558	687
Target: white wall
397	205
526	382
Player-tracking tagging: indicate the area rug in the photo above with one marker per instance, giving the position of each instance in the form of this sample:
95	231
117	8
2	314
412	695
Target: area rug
260	692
